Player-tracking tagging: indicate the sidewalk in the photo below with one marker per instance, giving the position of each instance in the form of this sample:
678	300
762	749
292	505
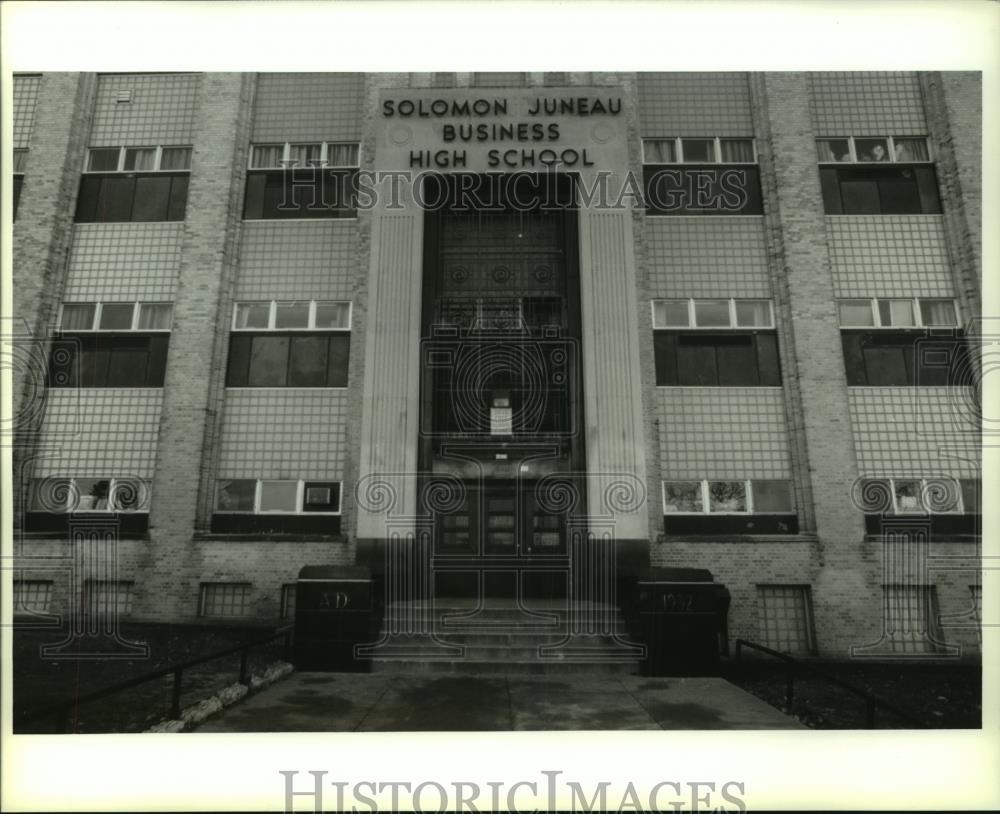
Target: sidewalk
364	702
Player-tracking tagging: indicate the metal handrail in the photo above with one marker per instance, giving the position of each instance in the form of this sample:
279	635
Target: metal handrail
871	700
60	712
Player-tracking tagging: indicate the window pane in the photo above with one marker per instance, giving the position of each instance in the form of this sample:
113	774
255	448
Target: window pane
175	158
155	316
178	197
898	194
665	355
727	496
658	151
307	361
342	155
885	365
92	494
737	361
253	314
910	149
321	497
859	197
682	496
127	360
292	315
696	362
971	495
333	314
130	496
856	313
897	313
103	159
267	156
236	495
338	360
698	150
268	361
872	149
753	313
78	316
116	316
238	364
941	495
114	201
768	365
278	495
833	149
736	151
907	494
937	312
50	494
772	496
304	155
140	159
152	198
670	314
711	313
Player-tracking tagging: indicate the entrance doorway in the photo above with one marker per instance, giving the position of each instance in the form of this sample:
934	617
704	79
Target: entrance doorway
501	396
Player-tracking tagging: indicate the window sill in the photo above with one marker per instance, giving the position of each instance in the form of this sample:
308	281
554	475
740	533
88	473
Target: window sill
957	539
737	538
138	537
271	537
300	220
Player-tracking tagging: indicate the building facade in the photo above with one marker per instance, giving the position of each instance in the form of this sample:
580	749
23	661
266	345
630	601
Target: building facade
724	321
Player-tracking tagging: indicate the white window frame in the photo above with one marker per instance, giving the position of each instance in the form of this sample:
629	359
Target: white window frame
692	326
959	502
706	509
245	606
113	484
717	149
133	326
121	157
890	142
272	317
286	154
299	498
918	319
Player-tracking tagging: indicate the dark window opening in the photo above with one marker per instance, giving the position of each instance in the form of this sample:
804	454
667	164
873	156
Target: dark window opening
18	183
288	360
311	192
880	190
118	198
905	358
108	360
732	359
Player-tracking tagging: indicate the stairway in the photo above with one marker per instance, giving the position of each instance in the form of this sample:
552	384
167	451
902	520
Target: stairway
501	637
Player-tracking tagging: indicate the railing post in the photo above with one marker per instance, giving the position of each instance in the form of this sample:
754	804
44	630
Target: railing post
739	651
789	687
244	656
175	701
870	712
287	655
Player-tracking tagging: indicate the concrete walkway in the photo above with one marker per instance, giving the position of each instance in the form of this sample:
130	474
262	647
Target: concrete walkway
352	702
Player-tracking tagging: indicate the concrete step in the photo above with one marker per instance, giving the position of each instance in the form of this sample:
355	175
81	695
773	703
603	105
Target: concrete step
505	667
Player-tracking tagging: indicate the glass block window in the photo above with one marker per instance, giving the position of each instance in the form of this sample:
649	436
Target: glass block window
288	601
32	596
784	617
499	79
224	599
105	598
912	619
